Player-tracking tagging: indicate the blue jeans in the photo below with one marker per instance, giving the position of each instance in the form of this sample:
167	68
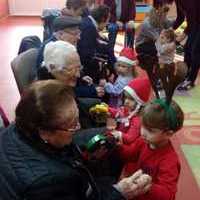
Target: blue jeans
112	35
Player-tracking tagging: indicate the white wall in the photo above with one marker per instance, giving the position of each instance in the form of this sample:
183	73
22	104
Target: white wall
33	7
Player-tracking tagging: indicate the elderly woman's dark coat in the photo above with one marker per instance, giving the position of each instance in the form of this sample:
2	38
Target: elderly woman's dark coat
30	171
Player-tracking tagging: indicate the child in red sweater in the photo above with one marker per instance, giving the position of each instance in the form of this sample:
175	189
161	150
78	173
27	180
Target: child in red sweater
153	151
126	120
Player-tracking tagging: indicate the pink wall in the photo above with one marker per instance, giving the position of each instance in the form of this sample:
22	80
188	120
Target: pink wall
3	8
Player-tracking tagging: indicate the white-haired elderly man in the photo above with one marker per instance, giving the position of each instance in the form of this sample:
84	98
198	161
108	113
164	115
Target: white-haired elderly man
62	62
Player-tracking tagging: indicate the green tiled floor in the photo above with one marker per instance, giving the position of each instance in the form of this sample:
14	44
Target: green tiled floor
191	106
192	153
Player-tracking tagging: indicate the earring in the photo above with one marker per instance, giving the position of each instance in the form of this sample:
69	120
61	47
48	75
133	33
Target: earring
45	141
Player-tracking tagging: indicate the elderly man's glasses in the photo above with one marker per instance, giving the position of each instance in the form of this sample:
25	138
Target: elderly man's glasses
75	33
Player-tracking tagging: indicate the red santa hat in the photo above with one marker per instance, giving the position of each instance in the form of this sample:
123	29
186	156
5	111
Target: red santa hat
139	89
127	56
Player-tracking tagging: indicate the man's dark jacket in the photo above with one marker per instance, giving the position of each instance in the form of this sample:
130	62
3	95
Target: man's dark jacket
128	10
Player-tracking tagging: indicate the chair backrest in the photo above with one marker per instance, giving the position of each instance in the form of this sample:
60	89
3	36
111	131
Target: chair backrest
24	68
29	42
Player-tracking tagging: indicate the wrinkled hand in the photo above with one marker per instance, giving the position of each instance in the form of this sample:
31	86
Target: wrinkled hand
120	25
144	183
134	185
100	91
88	80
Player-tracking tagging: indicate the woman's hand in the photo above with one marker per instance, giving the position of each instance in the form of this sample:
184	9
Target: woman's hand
134	185
143	183
88	80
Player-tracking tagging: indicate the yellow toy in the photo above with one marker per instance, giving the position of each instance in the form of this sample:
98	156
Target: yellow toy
99	113
99	108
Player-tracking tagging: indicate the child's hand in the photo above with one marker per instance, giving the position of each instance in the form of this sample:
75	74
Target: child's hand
118	136
144	183
102	82
131	24
181	37
120	25
111	124
143	180
160	38
111	78
100	91
129	187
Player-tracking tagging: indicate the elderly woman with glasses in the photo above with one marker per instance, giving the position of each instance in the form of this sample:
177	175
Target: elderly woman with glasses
38	159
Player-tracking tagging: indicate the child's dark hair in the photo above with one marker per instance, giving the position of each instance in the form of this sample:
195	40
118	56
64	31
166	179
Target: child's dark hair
169	33
157	114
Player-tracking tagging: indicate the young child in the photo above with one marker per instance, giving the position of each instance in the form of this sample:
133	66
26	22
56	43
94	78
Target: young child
125	71
153	151
166	47
136	94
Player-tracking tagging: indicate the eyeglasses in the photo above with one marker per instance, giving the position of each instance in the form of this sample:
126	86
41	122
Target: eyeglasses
75	33
74	128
